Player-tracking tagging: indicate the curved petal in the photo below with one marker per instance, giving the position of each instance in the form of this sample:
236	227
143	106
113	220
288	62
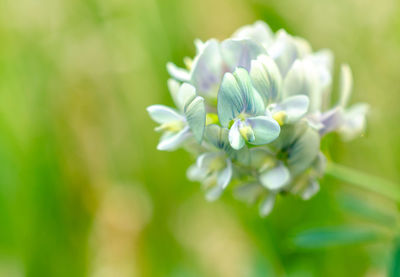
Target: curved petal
185	94
354	121
265	129
303	152
302	79
346	85
276	177
248	192
286	50
173	87
259	32
240	53
311	190
224	176
207	68
235	138
331	120
237	95
162	114
195	173
267	205
217	136
214	193
195	112
266	78
205	159
295	107
178	73
171	141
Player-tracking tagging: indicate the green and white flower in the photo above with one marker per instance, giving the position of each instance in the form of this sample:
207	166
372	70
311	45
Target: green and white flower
178	126
254	108
213	168
240	105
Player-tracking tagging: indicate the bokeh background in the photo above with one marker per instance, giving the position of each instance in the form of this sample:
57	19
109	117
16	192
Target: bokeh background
84	192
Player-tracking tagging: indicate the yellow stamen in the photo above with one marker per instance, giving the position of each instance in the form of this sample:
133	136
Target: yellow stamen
280	117
188	62
247	133
171	126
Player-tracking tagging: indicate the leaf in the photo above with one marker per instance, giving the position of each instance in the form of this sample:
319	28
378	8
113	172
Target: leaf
333	236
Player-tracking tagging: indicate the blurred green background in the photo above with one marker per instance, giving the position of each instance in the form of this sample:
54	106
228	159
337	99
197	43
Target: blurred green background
84	192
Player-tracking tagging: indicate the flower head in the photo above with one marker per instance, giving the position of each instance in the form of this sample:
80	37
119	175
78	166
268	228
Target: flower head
257	104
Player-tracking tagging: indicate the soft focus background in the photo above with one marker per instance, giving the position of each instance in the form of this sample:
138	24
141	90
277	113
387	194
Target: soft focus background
84	192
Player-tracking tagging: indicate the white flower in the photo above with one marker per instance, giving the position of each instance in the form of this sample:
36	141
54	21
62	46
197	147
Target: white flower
257	104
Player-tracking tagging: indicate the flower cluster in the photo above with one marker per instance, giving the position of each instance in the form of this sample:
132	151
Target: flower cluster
253	108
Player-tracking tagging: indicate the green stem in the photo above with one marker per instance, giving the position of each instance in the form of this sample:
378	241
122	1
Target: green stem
364	180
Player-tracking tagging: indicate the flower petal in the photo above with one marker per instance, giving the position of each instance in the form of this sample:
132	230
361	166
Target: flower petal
217	136
207	68
237	95
266	78
276	177
195	173
195	112
240	53
205	159
173	87
303	152
248	192
214	193
265	129
235	138
302	79
311	190
178	73
354	121
286	49
346	85
267	205
331	120
171	141
259	32
162	114
185	94
224	176
295	107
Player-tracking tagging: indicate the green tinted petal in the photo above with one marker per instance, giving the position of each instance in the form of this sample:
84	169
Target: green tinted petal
266	78
240	53
171	141
217	136
237	95
276	177
311	189
259	32
163	114
225	175
304	151
178	73
265	129
302	79
354	121
346	85
235	138
267	205
196	117
295	107
207	68
185	94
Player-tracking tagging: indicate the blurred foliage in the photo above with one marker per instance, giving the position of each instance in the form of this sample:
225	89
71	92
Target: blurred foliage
83	190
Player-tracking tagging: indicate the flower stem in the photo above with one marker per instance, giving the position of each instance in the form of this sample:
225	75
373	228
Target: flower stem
364	180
